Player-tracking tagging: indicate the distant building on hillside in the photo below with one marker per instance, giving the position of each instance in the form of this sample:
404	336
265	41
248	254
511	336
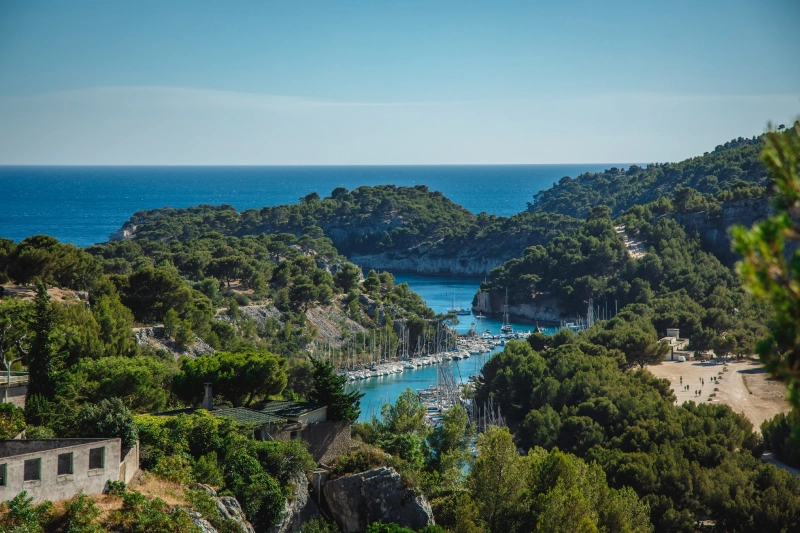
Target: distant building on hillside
58	469
676	343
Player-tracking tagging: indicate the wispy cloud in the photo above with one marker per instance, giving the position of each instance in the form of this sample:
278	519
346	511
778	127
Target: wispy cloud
188	97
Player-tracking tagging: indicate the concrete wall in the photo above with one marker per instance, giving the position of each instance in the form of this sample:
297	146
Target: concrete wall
52	486
314	417
129	464
14	394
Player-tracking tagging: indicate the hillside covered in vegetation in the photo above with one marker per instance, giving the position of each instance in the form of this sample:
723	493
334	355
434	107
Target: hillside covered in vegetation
413	228
732	171
401	222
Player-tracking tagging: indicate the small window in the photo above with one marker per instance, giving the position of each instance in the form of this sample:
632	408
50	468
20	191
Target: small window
3	470
33	470
97	458
64	463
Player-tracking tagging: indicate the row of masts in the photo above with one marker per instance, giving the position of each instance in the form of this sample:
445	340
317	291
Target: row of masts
382	346
449	392
593	314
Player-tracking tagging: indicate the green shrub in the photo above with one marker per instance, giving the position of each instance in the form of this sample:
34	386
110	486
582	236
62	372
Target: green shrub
175	468
80	516
206	470
12	420
117	488
318	526
22	517
107	419
140	515
39	432
364	458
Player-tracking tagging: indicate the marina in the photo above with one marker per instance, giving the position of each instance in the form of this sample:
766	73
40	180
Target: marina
384	382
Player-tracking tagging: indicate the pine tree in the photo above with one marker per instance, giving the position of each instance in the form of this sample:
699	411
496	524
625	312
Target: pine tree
329	389
42	356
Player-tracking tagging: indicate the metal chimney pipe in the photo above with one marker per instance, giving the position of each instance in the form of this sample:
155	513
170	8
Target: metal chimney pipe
208	399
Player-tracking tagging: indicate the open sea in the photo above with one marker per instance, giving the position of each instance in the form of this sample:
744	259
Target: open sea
84	205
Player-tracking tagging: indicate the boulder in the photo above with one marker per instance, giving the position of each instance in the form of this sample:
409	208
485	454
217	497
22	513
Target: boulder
378	495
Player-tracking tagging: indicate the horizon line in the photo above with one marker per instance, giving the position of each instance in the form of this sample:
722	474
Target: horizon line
365	165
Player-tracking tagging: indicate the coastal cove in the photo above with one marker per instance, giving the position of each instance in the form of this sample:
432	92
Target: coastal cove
438	292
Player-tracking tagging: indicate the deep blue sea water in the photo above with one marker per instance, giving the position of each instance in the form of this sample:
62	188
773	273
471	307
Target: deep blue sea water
84	205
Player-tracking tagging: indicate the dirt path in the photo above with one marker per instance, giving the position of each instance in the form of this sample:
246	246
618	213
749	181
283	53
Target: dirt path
745	386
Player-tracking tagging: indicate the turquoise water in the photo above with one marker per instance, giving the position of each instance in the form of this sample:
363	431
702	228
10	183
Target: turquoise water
437	292
84	205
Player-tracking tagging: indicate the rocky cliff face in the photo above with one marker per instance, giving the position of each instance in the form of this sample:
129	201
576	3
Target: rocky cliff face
297	510
462	265
541	307
377	495
713	229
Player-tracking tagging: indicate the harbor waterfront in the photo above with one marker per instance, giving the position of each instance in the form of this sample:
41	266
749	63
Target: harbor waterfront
437	291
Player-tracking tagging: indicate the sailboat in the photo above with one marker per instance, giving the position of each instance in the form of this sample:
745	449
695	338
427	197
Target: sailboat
458	310
506	328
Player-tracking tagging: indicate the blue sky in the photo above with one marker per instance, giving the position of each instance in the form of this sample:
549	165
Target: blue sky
390	82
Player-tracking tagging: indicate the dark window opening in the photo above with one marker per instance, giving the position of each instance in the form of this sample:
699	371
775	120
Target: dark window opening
64	463
3	470
97	458
33	470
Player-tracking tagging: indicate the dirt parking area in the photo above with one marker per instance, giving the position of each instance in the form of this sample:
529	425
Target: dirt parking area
743	385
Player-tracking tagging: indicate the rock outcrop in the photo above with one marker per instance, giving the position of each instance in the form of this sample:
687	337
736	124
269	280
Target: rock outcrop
378	495
297	510
228	508
712	228
156	337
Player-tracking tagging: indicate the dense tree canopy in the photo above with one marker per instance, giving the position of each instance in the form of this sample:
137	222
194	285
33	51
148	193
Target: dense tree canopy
732	171
241	378
683	461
